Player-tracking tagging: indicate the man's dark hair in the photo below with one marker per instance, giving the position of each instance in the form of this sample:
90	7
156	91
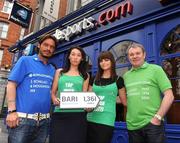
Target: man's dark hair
48	37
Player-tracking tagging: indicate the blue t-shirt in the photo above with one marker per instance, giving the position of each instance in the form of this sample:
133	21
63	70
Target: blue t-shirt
34	81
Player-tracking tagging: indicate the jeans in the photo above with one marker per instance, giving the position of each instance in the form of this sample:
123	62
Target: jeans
29	131
148	134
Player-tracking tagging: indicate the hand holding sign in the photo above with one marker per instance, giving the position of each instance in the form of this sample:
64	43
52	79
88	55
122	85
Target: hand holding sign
70	100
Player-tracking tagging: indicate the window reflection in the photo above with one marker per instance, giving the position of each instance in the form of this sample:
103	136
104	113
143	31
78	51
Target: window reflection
119	52
89	62
172	68
121	71
171	43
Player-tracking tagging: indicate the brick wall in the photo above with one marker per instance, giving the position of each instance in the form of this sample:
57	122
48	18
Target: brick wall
13	32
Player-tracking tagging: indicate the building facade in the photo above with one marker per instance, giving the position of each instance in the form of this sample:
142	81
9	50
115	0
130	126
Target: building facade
112	25
10	32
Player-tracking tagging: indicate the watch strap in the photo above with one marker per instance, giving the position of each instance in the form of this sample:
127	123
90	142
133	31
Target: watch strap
11	111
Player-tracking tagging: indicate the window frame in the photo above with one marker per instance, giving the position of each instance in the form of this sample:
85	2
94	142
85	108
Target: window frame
7	7
4	27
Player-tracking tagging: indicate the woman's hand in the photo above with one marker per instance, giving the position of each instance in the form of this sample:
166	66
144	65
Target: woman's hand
89	109
55	100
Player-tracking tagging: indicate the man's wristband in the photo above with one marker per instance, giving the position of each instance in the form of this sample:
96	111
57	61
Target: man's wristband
11	111
158	117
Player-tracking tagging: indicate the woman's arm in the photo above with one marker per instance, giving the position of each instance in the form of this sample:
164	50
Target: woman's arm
86	84
122	96
54	98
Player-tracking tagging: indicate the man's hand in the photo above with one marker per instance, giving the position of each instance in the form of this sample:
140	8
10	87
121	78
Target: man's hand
155	121
12	120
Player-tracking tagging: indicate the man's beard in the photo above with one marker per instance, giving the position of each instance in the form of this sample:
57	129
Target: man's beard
44	56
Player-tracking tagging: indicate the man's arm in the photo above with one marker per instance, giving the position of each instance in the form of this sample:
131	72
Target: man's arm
12	118
122	96
11	95
165	105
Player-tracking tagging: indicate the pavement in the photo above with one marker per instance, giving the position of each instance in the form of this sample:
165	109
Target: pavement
3	131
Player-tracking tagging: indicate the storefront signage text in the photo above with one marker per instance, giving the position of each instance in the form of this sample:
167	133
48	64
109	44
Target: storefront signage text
113	14
65	34
89	23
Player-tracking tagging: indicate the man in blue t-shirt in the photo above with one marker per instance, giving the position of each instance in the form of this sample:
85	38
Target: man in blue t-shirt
28	95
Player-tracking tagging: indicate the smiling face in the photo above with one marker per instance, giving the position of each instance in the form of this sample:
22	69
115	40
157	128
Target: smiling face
75	57
105	64
136	56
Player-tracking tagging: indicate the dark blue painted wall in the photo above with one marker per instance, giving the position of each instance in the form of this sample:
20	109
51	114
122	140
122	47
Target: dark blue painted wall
149	24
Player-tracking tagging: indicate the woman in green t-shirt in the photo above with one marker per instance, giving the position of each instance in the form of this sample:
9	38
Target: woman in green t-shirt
69	125
107	85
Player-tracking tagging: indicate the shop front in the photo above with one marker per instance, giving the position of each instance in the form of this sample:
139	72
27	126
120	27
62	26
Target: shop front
113	25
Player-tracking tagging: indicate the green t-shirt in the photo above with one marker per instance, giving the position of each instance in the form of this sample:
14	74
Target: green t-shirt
144	86
105	112
70	84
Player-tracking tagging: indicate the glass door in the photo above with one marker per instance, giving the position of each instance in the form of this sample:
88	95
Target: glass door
170	61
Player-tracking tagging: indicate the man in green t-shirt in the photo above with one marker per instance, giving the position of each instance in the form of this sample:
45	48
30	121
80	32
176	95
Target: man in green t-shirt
145	107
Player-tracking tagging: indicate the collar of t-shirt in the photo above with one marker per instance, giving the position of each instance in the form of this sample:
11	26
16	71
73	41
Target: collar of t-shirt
145	65
36	58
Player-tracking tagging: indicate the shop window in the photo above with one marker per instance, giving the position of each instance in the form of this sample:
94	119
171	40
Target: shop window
76	4
7	7
22	33
120	55
44	23
172	68
3	30
119	52
171	65
84	2
120	110
171	42
89	62
1	55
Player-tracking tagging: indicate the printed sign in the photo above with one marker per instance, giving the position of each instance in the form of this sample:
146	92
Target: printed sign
51	10
70	100
20	15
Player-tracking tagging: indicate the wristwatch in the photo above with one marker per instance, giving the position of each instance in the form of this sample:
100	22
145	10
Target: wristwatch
11	111
158	117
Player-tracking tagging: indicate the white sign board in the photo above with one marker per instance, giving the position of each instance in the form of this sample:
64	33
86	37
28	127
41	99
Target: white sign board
72	100
51	10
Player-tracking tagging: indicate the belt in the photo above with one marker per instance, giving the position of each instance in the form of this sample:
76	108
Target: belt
35	116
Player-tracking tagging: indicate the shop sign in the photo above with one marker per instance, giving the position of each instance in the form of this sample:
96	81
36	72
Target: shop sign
20	15
104	18
51	10
65	34
113	14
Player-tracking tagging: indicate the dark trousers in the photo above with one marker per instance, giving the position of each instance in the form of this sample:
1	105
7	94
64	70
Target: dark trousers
99	133
148	134
68	127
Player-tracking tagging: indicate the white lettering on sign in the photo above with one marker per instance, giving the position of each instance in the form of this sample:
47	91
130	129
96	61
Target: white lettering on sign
65	34
70	100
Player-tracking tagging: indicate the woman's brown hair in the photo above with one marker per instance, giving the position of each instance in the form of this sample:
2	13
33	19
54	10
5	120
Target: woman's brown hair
106	55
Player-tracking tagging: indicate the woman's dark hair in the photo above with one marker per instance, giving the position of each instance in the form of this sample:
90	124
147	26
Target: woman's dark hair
106	55
82	66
